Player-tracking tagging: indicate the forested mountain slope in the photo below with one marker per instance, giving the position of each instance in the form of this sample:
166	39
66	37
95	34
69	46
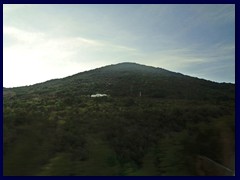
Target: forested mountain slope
152	122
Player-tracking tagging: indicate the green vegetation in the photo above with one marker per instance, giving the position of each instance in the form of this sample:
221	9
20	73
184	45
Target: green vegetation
56	128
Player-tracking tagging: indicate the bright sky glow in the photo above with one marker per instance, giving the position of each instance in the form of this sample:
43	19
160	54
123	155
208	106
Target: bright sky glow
43	42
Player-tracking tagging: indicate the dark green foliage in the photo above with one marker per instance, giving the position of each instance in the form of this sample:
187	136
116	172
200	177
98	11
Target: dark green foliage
56	128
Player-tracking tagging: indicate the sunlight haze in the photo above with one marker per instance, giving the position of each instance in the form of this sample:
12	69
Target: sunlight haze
43	42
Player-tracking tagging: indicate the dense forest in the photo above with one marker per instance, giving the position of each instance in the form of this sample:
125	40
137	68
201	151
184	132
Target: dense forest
153	122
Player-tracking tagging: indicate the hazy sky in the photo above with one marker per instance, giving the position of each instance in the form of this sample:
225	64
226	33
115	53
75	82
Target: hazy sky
42	42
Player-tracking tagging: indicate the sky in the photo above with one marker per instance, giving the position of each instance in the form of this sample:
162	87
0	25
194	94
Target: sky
43	42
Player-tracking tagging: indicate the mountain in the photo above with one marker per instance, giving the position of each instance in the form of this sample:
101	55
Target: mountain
129	79
151	122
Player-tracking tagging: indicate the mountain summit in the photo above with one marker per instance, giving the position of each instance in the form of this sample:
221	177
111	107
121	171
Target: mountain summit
134	67
130	79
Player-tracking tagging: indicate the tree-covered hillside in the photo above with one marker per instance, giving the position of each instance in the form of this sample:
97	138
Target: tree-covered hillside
153	122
